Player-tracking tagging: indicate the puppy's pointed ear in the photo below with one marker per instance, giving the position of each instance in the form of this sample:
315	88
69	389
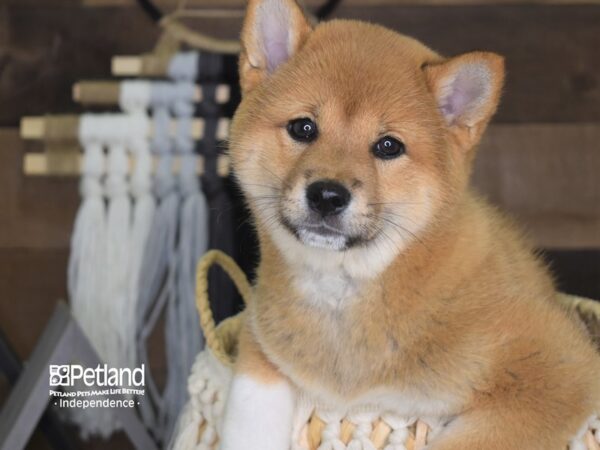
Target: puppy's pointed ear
467	90
273	31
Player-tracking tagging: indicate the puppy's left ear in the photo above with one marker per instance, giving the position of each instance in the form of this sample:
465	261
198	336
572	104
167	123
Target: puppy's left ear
467	90
273	31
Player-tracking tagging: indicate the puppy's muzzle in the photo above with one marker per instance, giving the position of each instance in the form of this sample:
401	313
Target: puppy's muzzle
327	198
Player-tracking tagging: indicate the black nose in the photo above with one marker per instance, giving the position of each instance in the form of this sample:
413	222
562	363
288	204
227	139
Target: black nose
328	198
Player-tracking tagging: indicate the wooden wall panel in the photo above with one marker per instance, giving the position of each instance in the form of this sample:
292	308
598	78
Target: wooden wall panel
47	49
37	213
540	160
546	174
552	51
31	282
542	168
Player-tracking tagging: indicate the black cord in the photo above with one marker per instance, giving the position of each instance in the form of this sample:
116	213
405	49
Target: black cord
326	9
150	8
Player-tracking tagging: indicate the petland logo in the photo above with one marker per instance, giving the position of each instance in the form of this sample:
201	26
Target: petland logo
101	376
73	386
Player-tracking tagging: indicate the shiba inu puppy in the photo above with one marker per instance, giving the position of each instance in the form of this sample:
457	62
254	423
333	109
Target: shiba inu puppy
384	281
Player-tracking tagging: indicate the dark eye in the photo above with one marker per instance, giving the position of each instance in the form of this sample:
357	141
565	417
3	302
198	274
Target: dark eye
388	148
303	130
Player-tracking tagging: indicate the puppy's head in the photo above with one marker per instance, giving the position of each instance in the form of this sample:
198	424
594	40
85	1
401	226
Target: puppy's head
351	140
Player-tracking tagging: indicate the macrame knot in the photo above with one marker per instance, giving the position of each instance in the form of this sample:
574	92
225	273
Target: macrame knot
161	140
139	130
141	178
183	66
93	160
116	181
189	184
184	143
361	438
162	95
90	187
164	182
331	433
134	95
399	435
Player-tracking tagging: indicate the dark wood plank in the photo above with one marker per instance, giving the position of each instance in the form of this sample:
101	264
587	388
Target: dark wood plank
47	49
36	212
545	174
552	51
542	168
31	282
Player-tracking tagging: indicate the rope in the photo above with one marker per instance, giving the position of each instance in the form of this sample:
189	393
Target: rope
87	261
213	341
157	286
134	98
184	337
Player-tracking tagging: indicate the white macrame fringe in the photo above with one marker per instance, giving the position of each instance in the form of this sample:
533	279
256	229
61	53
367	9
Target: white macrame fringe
87	272
101	267
134	100
183	331
157	284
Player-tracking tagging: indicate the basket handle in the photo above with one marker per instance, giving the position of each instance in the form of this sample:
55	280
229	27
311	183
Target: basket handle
207	321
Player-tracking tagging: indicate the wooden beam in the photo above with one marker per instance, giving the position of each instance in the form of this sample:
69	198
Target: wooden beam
70	165
37	128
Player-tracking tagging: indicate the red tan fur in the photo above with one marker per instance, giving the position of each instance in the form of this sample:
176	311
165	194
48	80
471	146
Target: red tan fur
451	314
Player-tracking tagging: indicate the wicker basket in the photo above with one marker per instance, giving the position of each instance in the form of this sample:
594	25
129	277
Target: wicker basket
314	430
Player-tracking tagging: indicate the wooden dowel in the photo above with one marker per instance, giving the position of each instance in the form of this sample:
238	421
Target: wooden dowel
35	128
107	93
70	165
127	66
380	433
421	435
97	92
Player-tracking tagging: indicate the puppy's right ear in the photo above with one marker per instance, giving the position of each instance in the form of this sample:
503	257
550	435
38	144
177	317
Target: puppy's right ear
273	31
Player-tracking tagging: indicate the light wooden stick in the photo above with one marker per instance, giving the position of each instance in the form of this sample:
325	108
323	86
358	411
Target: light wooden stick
70	165
35	128
107	93
421	435
128	66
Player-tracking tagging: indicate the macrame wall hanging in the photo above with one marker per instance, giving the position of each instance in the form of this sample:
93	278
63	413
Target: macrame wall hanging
144	220
101	260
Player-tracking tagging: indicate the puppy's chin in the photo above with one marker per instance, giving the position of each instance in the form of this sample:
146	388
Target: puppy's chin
336	242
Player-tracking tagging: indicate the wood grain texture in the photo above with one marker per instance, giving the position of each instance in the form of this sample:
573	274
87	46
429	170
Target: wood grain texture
542	168
38	213
31	282
544	174
553	68
552	51
46	49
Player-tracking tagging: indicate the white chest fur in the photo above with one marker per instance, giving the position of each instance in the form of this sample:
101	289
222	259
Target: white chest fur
333	288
